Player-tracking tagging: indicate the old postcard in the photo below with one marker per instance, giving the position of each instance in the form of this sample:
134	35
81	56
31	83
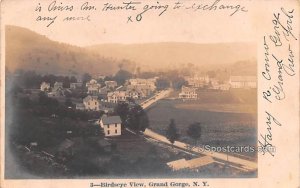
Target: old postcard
156	93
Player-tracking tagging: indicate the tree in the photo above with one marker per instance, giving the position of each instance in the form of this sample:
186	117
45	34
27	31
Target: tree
137	119
133	116
162	83
194	131
122	110
121	76
86	77
172	134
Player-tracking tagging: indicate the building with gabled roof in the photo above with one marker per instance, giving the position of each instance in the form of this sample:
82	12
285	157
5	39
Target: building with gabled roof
58	86
91	103
111	84
45	86
188	93
244	82
111	125
190	164
93	86
116	96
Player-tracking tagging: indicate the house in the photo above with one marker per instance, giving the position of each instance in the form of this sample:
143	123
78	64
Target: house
178	164
144	90
190	164
111	125
100	76
45	86
134	94
111	84
244	82
103	92
57	86
59	92
91	103
197	81
143	83
200	162
76	85
80	106
107	106
93	87
188	93
116	96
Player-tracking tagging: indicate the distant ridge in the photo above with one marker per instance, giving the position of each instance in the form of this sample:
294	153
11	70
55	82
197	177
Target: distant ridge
177	54
28	50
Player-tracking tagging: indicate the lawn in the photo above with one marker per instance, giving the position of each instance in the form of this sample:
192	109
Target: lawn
232	120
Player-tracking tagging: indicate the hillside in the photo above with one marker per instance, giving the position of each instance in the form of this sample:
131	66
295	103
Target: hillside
31	51
154	56
28	50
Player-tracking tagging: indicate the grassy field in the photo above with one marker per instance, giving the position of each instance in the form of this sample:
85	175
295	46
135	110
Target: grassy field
227	118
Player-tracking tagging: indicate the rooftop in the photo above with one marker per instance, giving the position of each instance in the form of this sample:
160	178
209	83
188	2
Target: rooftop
111	120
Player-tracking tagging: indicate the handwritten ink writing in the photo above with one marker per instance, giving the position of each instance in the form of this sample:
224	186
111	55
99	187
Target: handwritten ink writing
47	18
38	8
177	5
280	28
278	67
217	6
125	6
289	69
266	73
146	8
143	8
54	7
266	138
86	6
79	18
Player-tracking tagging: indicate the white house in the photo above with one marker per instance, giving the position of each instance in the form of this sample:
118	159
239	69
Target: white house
111	125
143	83
144	90
197	81
91	103
188	93
93	87
134	94
116	96
45	86
57	91
58	86
111	84
76	85
244	82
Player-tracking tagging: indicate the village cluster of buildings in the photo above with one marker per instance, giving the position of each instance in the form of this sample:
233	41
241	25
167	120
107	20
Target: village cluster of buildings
56	91
200	82
103	97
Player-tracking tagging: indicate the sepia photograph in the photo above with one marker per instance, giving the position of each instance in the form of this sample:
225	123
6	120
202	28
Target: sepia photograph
152	94
145	110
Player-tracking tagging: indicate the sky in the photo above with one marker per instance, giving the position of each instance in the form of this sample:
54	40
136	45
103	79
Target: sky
112	27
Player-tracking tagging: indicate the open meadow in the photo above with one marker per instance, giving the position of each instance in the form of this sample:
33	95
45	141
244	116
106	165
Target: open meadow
226	118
